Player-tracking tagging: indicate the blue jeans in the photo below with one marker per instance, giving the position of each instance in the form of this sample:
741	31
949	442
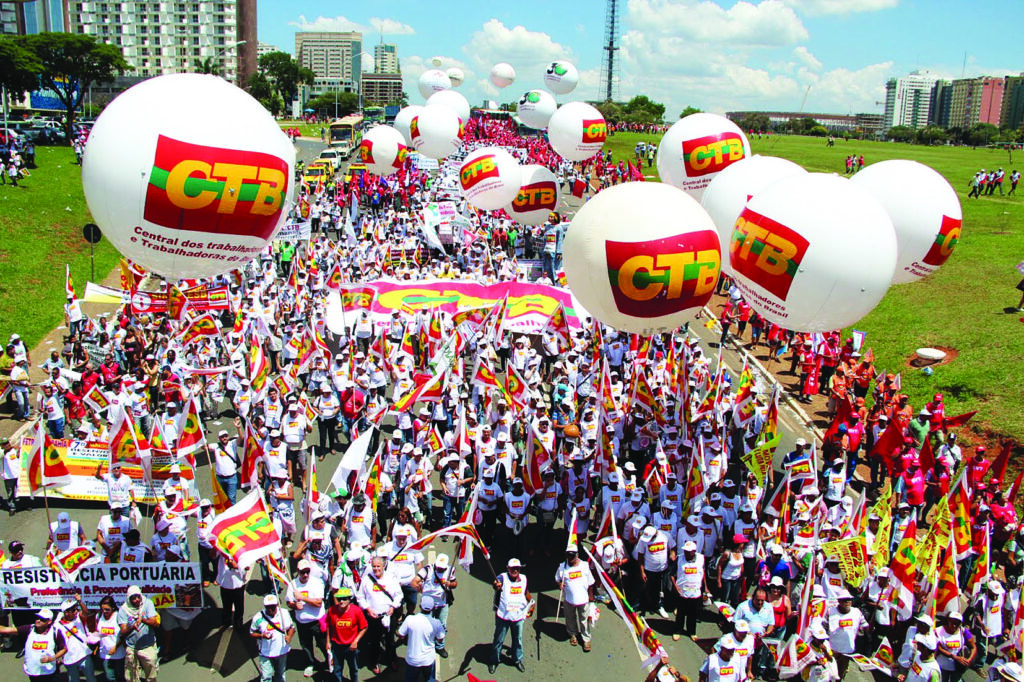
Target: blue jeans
452	508
23	409
342	655
550	263
55	427
440	614
230	485
419	672
501	629
272	669
82	670
113	668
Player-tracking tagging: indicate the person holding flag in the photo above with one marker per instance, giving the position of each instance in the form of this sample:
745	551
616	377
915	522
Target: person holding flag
575	583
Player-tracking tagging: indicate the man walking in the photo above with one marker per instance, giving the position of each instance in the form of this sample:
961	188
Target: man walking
514	607
422	634
576	584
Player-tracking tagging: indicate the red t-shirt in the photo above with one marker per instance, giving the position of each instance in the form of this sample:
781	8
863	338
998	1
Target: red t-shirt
343	626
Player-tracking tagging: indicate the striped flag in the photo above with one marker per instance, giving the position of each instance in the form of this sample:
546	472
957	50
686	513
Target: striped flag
204	325
463	529
69	284
221	503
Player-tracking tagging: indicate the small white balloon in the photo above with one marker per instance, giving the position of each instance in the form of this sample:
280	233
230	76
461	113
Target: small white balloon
537	197
730	190
436	132
813	252
383	150
453	100
181	192
502	75
490	178
435	61
536	108
640	255
924	209
577	131
456	76
433	80
404	118
561	77
698	147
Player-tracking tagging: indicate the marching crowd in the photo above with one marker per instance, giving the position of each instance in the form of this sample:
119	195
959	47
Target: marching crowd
641	463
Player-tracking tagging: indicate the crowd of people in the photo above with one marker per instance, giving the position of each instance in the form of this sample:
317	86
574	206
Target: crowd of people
641	465
985	183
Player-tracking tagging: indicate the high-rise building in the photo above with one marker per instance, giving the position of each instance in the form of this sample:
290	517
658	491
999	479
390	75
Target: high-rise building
335	58
160	38
976	100
12	18
908	100
941	100
266	48
44	16
385	58
382	88
1012	114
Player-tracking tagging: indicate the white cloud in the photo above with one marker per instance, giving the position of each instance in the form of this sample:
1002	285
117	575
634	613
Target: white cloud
768	23
414	66
529	51
391	27
804	56
343	24
842	91
815	7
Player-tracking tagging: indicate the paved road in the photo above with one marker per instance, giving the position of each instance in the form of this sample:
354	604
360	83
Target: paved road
547	652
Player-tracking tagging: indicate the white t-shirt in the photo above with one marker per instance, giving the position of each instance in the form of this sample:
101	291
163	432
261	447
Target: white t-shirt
655	552
576	581
313	588
278	627
843	629
422	632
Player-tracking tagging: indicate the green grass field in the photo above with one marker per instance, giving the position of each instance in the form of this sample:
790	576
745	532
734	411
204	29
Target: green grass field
967	305
305	129
41	231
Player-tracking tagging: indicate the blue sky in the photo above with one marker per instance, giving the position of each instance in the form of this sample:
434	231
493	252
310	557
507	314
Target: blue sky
717	56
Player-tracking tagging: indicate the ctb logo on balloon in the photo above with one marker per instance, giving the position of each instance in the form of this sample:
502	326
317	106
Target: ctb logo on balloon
414	128
767	252
210	189
945	241
711	153
477	171
663	276
540	196
595	130
366	151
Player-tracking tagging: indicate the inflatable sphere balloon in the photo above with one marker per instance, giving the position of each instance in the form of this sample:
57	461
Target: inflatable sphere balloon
923	208
729	191
404	117
698	147
383	150
181	190
535	108
436	131
813	252
577	131
537	196
561	77
452	100
433	80
640	255
456	76
502	75
490	178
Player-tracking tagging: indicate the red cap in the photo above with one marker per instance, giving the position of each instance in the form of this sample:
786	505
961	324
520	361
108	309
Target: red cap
938	396
980	449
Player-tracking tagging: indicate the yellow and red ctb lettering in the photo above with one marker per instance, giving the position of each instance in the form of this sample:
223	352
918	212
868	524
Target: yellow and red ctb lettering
663	276
210	189
538	196
595	130
477	170
766	252
711	153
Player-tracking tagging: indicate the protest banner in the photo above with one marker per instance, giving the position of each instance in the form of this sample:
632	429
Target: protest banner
166	583
851	554
295	231
199	298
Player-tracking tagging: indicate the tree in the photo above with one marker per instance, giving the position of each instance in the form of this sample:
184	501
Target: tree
19	68
981	134
285	74
689	110
902	134
206	66
611	111
818	131
932	135
756	122
70	63
348	102
263	91
641	109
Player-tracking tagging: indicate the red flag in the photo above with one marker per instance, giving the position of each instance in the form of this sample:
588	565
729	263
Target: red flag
537	458
926	457
578	188
1015	487
888	444
843	411
998	469
959	420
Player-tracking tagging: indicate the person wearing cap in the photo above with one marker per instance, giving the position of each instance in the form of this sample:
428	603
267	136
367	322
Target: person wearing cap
227	462
455	476
111	529
1007	670
549	501
845	623
327	404
923	666
987	620
613	496
514	606
45	646
71	625
10	469
575	582
346	626
65	533
138	620
359	523
436	584
294	429
273	630
721	666
729	573
281	498
489	496
955	646
20	387
515	504
379	595
653	552
305	597
710	527
120	488
690	583
422	635
109	646
403	564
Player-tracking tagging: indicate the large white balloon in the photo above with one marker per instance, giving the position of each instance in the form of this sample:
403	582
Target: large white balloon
536	108
456	76
639	255
187	175
436	131
490	178
924	209
537	196
813	252
455	101
730	190
577	131
561	77
433	80
383	150
698	147
502	75
404	118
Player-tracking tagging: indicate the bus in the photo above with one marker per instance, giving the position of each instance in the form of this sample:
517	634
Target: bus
346	134
373	114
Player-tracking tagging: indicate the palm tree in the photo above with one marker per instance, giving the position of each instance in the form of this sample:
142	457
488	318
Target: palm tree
206	66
